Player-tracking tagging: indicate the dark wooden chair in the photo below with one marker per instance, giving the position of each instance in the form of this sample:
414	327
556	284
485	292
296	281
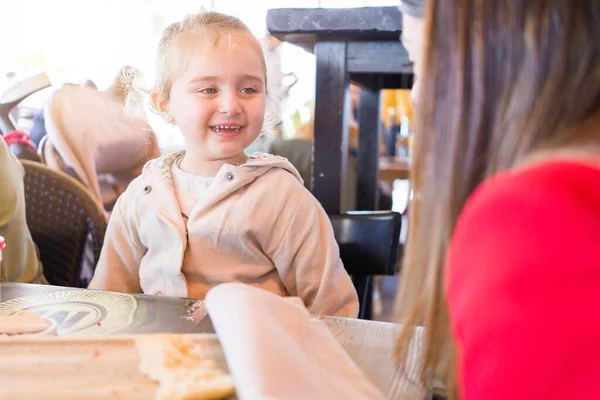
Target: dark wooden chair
62	216
369	243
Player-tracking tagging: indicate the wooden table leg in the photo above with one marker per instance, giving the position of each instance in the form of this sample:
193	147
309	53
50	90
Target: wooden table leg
367	165
331	122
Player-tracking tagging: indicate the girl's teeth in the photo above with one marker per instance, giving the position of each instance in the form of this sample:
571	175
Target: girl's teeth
219	128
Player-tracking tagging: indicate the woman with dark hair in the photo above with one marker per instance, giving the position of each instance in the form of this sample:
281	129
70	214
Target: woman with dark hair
503	261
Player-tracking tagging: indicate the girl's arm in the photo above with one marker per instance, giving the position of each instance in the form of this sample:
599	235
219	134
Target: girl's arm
307	258
122	252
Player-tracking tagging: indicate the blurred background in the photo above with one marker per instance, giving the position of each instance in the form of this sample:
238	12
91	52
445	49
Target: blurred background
76	40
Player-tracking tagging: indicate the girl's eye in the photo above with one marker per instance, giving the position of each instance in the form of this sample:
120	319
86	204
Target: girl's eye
249	91
208	91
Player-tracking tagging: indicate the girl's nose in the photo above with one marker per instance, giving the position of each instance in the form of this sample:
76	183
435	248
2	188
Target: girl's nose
229	103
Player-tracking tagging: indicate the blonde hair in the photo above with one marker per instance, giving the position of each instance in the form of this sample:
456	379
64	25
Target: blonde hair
121	84
211	28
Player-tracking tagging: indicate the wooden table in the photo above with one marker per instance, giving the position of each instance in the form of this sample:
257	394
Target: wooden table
358	44
392	168
97	313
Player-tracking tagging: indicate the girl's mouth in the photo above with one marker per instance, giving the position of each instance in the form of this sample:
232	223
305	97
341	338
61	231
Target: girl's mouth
228	130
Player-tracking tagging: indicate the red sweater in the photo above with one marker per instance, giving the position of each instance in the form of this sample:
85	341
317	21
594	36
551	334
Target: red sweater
523	285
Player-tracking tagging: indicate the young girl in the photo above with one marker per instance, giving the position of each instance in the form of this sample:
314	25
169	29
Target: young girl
212	214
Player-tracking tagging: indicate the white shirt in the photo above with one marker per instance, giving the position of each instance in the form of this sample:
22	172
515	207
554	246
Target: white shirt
189	188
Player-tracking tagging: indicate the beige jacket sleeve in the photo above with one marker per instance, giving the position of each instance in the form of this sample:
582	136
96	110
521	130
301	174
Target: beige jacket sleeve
307	258
20	260
122	252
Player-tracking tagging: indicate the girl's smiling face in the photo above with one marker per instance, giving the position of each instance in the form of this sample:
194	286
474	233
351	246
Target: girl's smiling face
218	102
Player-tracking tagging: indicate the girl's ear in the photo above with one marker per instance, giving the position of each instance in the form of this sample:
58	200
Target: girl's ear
160	105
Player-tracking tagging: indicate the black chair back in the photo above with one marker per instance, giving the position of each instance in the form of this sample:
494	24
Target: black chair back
62	216
369	242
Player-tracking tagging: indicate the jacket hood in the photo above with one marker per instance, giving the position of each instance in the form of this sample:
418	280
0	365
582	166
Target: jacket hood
258	164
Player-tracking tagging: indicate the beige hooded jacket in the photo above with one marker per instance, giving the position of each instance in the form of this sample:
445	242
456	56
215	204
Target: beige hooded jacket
258	226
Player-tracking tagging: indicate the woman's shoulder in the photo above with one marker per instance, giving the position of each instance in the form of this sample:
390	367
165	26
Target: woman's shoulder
557	183
554	204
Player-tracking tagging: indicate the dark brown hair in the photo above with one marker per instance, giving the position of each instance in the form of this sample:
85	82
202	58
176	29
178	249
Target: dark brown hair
501	81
